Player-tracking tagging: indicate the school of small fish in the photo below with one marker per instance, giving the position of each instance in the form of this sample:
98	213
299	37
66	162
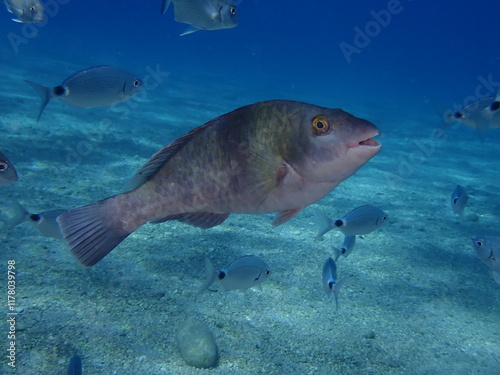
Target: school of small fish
294	155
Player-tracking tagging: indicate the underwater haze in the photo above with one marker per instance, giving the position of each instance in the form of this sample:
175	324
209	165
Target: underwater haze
415	297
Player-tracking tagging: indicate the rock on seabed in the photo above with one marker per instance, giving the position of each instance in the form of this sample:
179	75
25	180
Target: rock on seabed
197	344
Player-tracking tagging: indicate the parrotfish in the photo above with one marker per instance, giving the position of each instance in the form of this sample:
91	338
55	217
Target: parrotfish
45	222
203	14
362	220
459	199
8	174
98	86
25	11
330	282
346	248
241	274
487	249
274	156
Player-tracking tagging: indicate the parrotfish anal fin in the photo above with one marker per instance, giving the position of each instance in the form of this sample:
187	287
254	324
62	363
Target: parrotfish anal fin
203	220
284	216
45	93
159	159
89	233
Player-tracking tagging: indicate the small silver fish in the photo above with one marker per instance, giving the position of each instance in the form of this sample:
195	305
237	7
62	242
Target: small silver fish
8	174
459	199
46	222
362	220
75	365
482	114
25	11
346	248
203	14
330	282
242	273
487	249
93	87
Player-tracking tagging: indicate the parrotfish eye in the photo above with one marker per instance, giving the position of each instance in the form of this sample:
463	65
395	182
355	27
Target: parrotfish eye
32	9
495	106
479	243
137	83
338	223
455	200
320	125
331	284
222	274
268	272
384	217
343	250
3	166
458	115
232	11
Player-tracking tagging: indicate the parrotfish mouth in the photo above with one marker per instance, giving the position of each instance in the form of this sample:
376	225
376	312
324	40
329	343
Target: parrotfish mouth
369	142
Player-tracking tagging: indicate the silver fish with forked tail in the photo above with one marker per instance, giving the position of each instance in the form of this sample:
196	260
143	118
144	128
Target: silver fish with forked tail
331	284
242	273
98	86
45	222
487	249
25	11
346	248
459	199
203	14
8	174
362	220
275	156
482	115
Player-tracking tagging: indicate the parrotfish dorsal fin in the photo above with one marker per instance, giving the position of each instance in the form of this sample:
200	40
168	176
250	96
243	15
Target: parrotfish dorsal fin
159	159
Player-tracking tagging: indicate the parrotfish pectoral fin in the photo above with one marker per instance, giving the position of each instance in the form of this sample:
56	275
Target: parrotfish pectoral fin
203	220
284	216
164	6
45	93
89	233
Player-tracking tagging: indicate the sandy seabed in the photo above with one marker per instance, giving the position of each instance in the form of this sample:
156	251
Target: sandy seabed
416	299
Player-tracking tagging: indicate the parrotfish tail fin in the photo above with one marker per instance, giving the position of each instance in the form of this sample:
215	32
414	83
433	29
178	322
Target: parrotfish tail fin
20	215
324	224
164	6
336	290
210	276
45	93
90	233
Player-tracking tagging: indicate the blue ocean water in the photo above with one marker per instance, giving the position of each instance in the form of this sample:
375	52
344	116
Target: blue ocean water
419	300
